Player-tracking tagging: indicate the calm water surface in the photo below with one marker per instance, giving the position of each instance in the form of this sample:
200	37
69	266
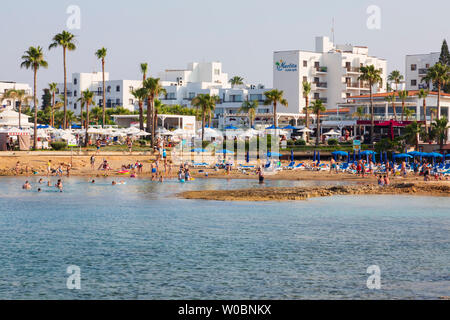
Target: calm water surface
139	241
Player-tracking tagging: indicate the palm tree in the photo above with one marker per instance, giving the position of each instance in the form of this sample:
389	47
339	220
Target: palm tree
11	94
396	77
359	113
140	94
391	99
236	81
22	98
213	100
373	76
403	95
413	132
101	54
423	94
306	93
439	75
86	99
144	70
250	107
318	107
274	97
154	90
66	40
34	59
409	113
440	127
52	88
202	102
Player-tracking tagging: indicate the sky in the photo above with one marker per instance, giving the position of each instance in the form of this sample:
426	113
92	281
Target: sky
242	34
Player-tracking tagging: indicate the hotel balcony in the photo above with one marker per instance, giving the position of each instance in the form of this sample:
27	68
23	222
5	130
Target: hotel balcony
321	69
352	69
423	71
320	85
356	86
324	100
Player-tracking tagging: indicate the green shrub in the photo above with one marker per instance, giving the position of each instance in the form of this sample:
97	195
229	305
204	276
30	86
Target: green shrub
59	145
300	142
333	142
142	142
290	143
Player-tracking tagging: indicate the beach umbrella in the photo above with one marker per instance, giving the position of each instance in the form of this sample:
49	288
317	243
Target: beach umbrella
231	128
402	156
289	127
292	154
273	128
354	156
348	158
318	157
225	151
447	155
248	157
314	158
198	150
274	154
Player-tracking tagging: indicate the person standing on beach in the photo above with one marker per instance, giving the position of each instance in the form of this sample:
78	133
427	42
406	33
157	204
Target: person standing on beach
404	168
92	162
49	167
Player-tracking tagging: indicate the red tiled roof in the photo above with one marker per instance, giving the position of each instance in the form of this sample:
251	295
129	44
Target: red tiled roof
385	94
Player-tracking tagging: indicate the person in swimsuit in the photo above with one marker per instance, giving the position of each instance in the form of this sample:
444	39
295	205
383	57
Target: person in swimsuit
59	185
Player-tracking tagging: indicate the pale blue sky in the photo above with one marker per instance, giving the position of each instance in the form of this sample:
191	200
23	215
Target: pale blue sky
242	34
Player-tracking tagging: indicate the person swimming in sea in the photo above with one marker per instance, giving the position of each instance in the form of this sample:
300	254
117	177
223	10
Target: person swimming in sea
59	185
26	186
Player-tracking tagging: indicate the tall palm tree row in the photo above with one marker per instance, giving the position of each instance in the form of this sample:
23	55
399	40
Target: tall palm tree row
318	107
275	97
86	99
66	41
33	59
101	55
372	76
250	107
306	93
440	127
439	75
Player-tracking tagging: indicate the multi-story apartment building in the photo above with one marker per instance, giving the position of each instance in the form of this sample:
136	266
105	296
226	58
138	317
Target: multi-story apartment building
118	92
8	85
417	66
207	78
333	71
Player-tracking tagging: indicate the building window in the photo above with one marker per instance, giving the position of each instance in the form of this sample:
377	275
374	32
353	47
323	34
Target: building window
75	81
316	64
191	95
131	89
316	96
131	101
117	101
305	79
75	106
117	88
413	67
108	89
100	102
427	65
413	82
75	93
348	94
305	63
217	72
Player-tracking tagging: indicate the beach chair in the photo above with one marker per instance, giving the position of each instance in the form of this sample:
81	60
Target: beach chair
300	166
290	166
343	167
268	165
200	165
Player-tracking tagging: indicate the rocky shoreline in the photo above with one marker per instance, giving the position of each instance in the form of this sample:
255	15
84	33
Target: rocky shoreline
304	193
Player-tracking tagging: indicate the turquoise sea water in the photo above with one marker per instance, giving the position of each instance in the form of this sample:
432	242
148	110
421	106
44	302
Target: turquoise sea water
139	241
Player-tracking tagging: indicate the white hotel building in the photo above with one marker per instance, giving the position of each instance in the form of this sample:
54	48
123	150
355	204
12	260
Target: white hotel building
417	66
182	85
8	85
332	69
118	92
